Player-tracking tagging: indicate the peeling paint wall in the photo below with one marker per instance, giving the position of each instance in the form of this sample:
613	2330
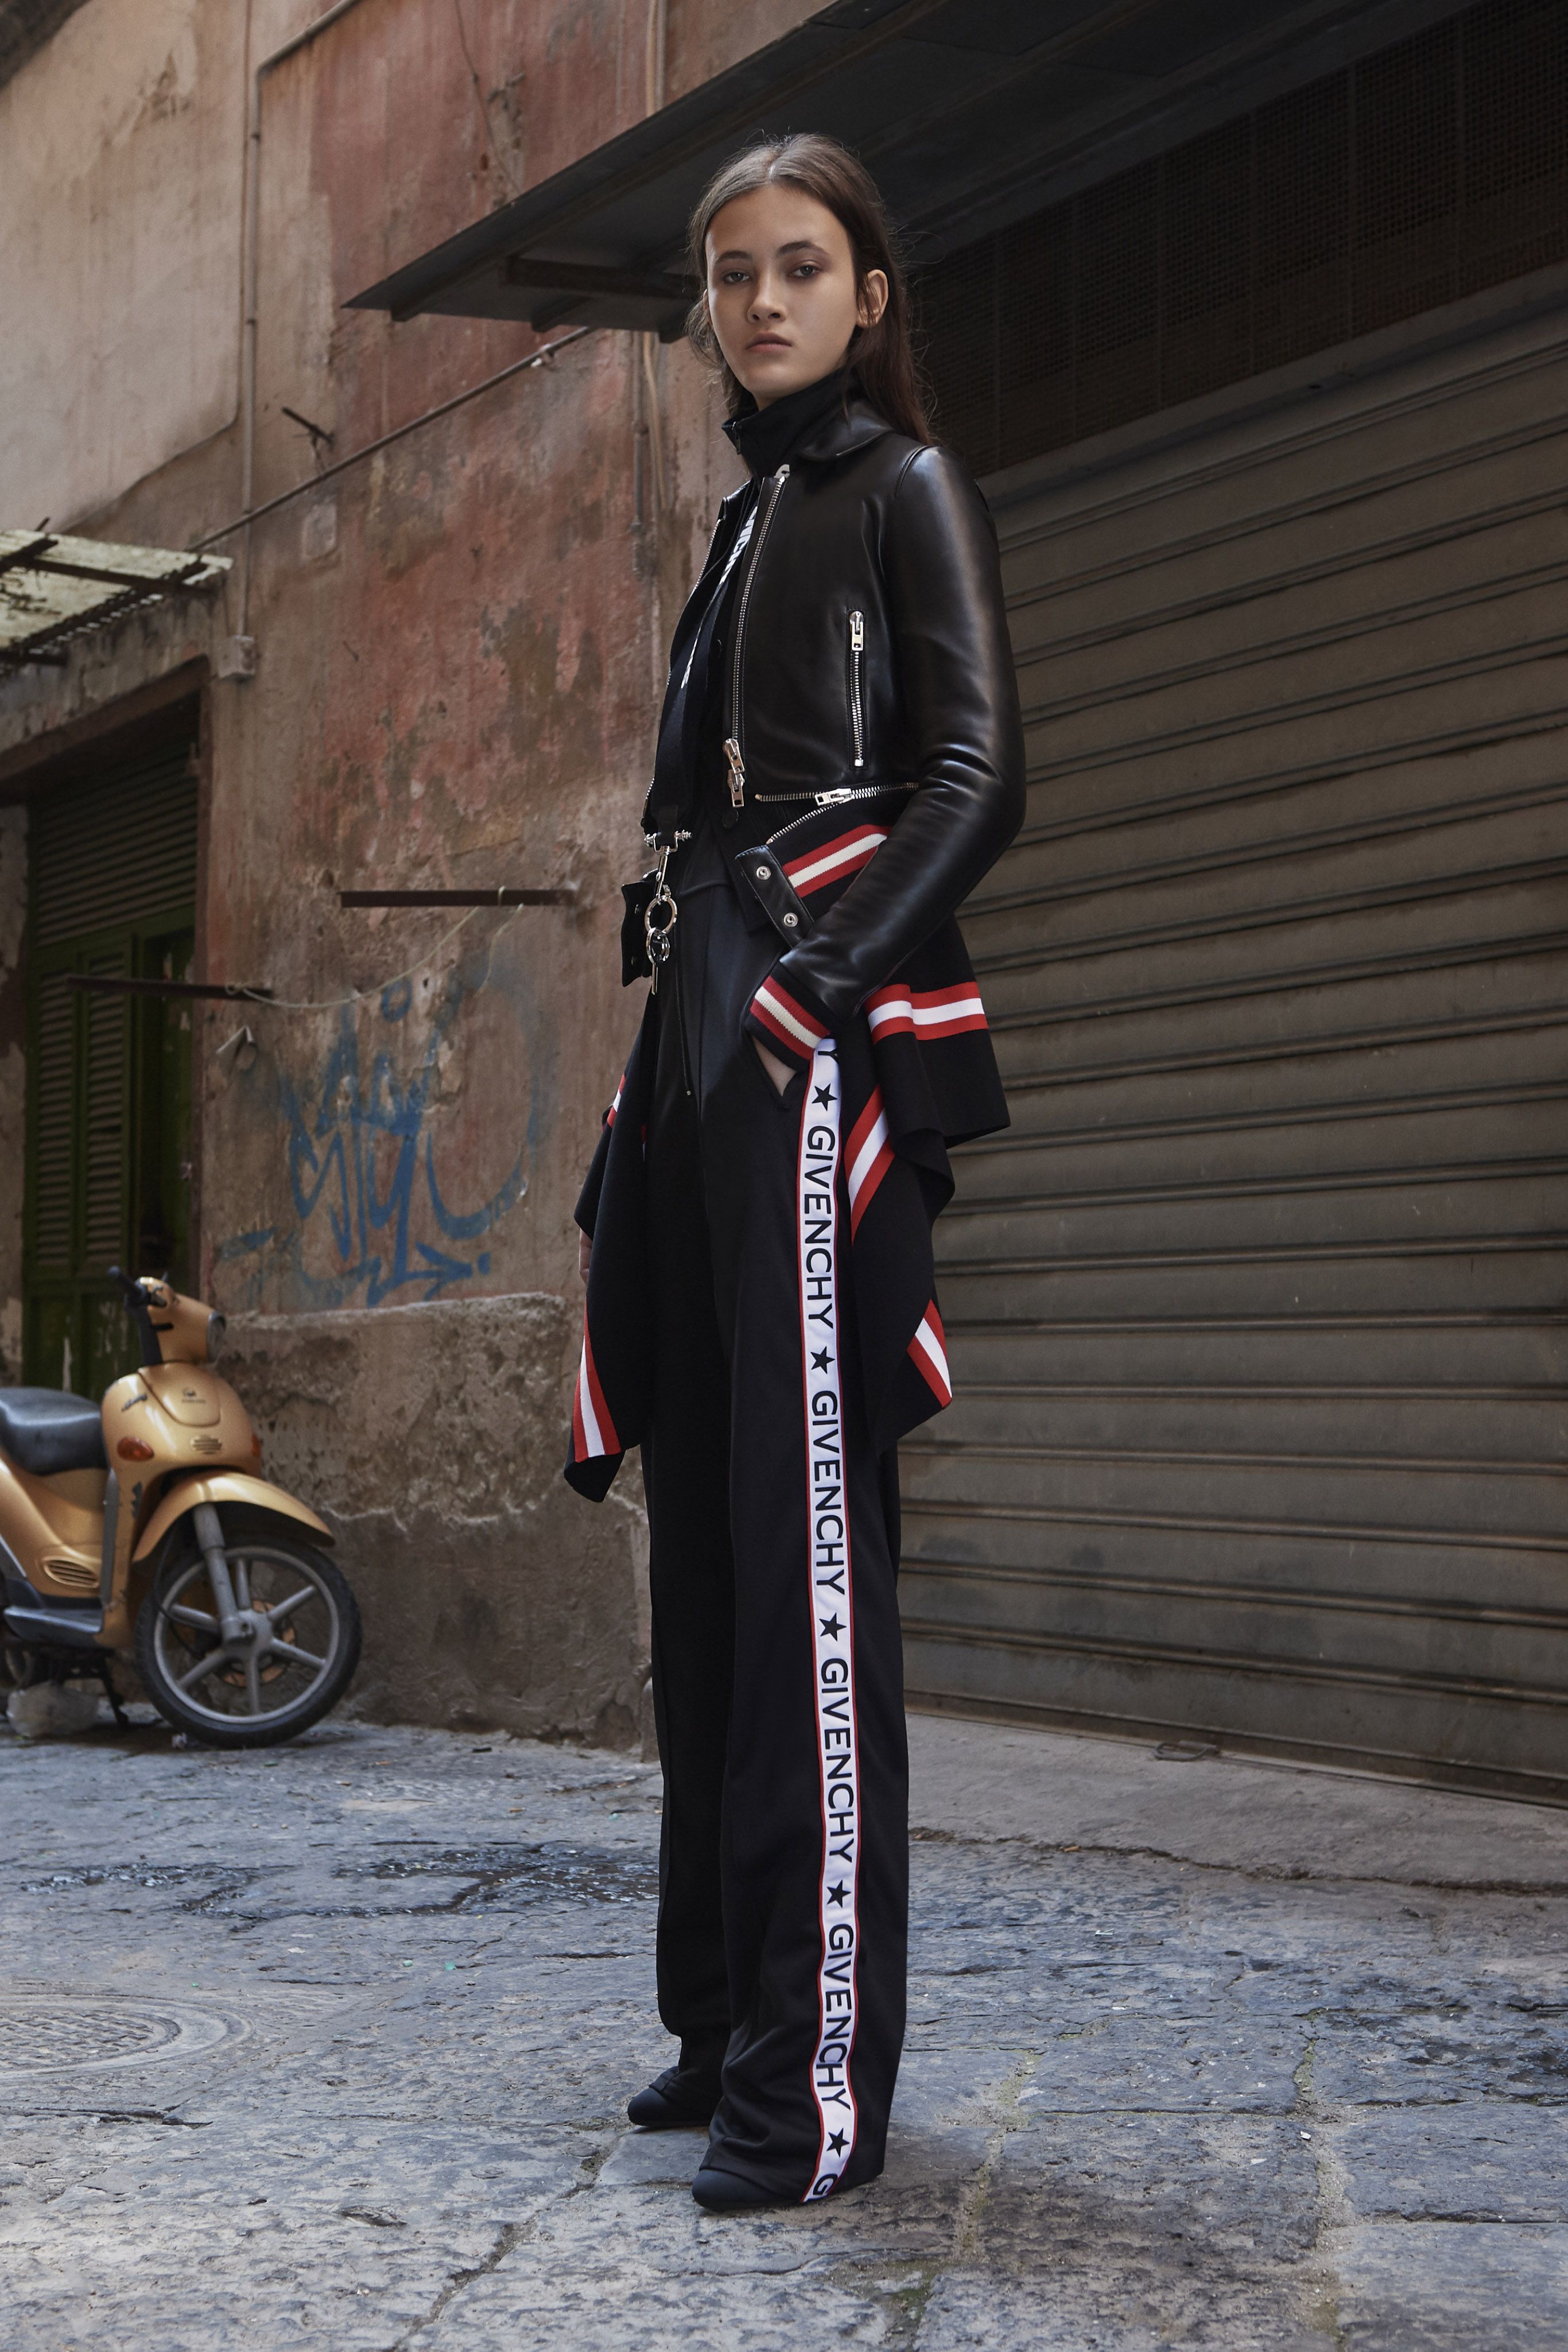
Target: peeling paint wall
121	142
460	644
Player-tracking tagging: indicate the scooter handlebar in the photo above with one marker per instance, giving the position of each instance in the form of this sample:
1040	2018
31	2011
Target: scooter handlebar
140	1312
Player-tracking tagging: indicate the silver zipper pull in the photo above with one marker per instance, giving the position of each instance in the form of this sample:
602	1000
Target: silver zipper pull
857	660
737	772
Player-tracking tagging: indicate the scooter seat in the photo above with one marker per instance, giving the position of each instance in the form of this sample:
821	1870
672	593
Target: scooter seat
46	1430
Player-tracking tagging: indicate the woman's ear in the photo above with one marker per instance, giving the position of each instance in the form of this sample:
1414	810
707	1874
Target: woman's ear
873	299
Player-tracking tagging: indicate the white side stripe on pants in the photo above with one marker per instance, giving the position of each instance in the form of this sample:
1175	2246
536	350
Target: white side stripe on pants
832	1603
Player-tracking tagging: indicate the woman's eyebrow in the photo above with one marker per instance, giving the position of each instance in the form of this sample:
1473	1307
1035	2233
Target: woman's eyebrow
742	253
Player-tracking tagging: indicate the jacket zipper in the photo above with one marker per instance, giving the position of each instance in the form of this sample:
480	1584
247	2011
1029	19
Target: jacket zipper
827	800
734	741
857	655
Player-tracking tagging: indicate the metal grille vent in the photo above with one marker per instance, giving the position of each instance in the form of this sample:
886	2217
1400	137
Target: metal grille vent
72	1575
1428	171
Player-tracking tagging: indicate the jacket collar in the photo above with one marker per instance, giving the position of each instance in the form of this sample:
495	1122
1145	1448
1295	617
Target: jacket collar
842	432
820	422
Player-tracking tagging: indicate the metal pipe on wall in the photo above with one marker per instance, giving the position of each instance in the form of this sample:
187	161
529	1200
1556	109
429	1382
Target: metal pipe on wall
541	358
657	52
656	58
250	276
648	437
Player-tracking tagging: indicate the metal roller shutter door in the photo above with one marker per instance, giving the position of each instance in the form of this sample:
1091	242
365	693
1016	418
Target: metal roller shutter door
1257	1313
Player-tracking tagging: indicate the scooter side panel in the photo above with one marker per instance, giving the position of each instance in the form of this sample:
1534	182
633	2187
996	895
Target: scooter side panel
40	1524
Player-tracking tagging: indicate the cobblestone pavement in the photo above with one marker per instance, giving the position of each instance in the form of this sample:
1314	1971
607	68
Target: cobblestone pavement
328	2048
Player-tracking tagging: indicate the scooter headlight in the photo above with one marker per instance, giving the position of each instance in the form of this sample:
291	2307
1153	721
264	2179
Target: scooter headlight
216	1327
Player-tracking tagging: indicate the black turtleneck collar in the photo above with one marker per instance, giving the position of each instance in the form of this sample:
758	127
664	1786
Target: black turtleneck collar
766	438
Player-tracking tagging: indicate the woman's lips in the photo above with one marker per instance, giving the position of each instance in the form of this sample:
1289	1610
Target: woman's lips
768	343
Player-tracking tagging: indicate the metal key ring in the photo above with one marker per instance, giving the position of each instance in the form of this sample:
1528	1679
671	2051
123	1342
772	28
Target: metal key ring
656	934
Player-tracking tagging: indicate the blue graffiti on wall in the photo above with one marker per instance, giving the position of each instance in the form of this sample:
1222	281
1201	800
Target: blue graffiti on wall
335	1157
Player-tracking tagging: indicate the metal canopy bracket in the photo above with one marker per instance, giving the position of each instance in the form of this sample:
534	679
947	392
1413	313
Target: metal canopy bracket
54	588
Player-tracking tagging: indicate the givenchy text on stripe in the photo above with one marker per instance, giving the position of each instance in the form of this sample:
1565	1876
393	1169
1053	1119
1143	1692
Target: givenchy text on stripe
831	1601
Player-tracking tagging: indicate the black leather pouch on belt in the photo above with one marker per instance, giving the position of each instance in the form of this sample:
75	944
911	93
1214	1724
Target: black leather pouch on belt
762	871
634	964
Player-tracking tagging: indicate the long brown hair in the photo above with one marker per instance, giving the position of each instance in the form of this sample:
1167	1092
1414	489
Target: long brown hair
880	355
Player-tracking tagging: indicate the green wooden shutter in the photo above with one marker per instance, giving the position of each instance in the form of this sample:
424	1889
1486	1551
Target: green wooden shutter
51	1078
112	875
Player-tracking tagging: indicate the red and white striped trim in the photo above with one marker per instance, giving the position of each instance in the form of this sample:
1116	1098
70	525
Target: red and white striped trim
928	1352
790	1023
926	1012
845	853
620	1090
867	1157
830	1596
593	1430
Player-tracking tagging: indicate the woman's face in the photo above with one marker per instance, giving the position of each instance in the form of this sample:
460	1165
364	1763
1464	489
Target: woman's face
781	292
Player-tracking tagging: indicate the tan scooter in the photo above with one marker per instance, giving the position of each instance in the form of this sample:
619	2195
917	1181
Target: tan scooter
142	1530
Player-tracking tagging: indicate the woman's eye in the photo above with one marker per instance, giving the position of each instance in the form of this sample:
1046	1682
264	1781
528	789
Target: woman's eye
807	269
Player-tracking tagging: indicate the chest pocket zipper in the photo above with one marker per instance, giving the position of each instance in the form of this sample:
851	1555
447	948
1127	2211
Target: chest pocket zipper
824	801
857	660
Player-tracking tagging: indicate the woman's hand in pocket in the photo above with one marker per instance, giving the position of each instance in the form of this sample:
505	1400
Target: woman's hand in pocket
585	1250
780	1072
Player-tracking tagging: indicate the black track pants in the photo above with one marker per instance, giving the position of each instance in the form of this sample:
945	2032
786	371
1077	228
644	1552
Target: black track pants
777	1668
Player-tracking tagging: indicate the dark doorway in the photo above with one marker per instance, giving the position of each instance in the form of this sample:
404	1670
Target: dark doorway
112	887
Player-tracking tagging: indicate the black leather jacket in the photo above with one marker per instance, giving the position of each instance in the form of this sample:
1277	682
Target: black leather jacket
868	644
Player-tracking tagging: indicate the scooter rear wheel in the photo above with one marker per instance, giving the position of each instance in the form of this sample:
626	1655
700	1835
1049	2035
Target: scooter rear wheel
293	1663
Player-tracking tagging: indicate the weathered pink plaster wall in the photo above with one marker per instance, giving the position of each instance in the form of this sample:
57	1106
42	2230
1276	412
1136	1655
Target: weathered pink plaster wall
460	642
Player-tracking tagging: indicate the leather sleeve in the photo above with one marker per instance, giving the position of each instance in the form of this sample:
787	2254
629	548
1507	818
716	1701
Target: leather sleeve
961	696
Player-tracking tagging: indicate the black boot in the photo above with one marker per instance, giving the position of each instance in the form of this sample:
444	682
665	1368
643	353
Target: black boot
726	2192
679	2096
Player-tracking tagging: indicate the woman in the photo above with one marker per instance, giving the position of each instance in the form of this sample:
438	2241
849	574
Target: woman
839	761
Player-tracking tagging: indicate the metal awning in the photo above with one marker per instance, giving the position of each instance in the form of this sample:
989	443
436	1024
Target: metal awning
970	113
53	588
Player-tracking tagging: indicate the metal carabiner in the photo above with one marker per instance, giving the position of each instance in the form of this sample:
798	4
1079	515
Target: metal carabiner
656	933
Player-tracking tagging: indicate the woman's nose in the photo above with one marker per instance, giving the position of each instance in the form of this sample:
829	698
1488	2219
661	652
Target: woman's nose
765	302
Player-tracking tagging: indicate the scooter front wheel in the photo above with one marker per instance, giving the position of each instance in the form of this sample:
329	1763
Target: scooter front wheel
289	1661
